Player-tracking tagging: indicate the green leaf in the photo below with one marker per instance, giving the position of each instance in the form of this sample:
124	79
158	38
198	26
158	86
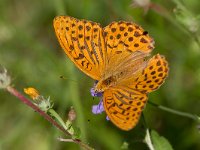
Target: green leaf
124	145
77	133
159	142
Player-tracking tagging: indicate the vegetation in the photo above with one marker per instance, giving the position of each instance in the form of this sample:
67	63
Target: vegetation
31	53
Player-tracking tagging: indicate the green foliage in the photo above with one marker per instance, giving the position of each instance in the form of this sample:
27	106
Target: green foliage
31	53
159	142
156	142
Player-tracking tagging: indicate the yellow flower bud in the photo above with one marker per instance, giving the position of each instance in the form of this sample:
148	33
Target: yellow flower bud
32	92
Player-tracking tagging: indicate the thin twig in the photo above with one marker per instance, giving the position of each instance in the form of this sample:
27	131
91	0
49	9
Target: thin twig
65	140
180	113
76	141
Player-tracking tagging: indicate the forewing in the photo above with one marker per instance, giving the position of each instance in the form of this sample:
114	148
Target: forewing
83	43
124	106
122	40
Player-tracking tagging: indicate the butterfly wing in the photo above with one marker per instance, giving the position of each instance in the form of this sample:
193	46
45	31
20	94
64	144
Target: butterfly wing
122	40
101	52
98	51
83	43
124	102
124	106
153	75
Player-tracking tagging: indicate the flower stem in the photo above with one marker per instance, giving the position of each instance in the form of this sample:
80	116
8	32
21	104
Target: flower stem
21	97
173	111
54	114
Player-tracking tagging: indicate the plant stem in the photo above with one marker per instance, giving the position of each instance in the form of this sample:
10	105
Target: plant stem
76	141
184	114
148	140
21	97
54	114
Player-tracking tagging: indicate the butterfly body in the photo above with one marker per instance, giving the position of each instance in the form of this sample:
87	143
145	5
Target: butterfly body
117	57
105	84
120	75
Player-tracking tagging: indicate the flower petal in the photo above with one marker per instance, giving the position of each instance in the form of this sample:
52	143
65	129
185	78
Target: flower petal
95	94
98	109
107	118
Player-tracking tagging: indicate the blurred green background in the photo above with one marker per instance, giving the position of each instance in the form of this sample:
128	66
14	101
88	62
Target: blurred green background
30	51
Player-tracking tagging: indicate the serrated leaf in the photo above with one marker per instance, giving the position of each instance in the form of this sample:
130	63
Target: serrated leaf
160	142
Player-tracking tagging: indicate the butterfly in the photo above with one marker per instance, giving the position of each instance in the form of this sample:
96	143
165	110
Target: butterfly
117	56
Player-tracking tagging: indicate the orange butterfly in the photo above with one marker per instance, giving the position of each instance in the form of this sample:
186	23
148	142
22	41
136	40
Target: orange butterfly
115	56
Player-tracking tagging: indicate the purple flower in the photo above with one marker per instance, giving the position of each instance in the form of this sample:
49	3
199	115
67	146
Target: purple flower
107	118
97	109
95	94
